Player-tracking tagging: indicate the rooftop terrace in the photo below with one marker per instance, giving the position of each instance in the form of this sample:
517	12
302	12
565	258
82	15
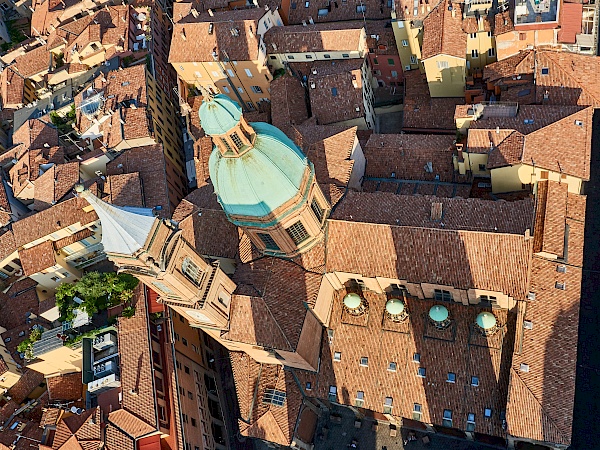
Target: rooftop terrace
536	11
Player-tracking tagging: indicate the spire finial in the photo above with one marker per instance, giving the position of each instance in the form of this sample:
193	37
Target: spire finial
207	95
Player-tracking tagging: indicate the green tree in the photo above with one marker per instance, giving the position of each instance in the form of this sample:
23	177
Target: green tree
97	291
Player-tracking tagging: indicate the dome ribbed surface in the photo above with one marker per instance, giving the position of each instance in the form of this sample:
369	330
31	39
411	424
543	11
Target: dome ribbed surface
219	115
262	179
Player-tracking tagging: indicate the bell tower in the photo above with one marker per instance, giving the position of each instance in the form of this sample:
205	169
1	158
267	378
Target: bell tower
155	252
263	181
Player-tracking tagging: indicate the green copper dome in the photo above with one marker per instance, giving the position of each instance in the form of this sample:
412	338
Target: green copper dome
219	114
486	320
394	306
438	313
352	301
262	179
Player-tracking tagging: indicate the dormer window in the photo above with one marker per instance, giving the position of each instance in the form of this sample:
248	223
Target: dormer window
237	141
191	271
227	146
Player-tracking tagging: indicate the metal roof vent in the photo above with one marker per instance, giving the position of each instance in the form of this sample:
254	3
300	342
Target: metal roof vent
524	367
439	317
486	323
355	304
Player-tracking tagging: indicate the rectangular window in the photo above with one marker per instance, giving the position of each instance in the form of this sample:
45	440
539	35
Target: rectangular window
290	57
522	36
491	52
404	43
475	381
274	397
230	73
421	372
193	421
413	59
248	73
322	12
190	268
185	342
474	53
298	233
308	56
451	377
226	89
317	210
360	399
447	420
375	61
417	411
345	55
332	394
443	64
442	296
482	167
391	62
237	141
308	385
226	145
364	361
487	413
240	90
470	422
416	357
268	240
256	89
387	405
473	35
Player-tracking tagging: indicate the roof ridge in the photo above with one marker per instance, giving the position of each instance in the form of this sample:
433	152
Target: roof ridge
542	410
569	75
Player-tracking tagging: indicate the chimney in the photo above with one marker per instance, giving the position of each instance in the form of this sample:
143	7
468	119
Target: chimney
210	13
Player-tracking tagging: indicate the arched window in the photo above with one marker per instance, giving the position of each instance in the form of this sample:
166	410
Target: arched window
191	270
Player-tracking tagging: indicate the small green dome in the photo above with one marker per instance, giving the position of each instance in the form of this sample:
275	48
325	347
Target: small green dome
486	320
262	179
394	306
352	301
219	114
438	313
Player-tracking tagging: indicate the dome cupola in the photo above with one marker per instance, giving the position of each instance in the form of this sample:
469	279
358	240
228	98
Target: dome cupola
263	181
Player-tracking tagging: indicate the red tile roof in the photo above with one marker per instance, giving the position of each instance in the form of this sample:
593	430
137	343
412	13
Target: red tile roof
470	214
288	105
37	258
68	387
130	424
321	37
443	33
54	184
571	15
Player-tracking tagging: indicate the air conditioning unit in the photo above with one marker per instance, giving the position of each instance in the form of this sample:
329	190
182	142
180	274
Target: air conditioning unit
103	384
108	366
104	341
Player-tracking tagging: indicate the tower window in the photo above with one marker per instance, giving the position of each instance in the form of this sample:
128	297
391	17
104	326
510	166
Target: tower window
298	233
227	146
274	397
237	141
268	240
191	270
316	208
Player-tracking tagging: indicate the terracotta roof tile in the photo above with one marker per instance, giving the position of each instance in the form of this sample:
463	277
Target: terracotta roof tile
129	423
7	244
192	41
442	32
34	133
46	222
11	84
406	10
331	157
421	112
54	184
206	222
404	156
34	61
75	237
321	37
519	64
345	11
339	82
37	258
399	247
456	213
289	102
125	189
136	368
67	387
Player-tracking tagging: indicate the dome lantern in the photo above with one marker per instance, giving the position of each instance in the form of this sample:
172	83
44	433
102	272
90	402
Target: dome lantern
439	316
395	310
486	323
354	304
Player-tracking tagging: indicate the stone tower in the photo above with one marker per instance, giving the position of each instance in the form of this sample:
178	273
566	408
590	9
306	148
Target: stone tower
154	251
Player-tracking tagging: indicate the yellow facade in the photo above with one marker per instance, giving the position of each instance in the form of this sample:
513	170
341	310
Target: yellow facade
474	162
519	177
408	41
246	82
9	378
445	75
481	49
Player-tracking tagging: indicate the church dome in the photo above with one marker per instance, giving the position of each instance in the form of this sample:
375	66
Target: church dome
262	179
219	114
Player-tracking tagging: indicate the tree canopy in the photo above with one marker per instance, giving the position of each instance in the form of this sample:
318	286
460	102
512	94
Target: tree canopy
97	291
